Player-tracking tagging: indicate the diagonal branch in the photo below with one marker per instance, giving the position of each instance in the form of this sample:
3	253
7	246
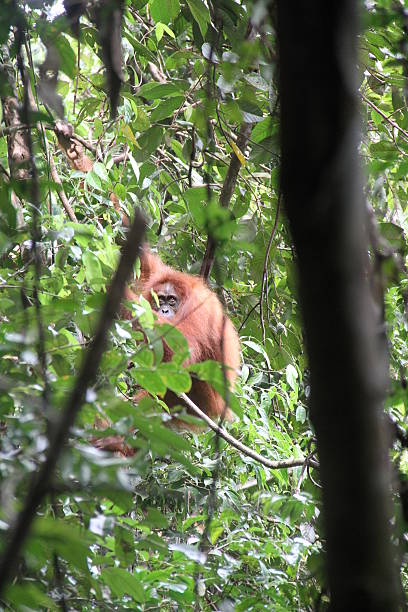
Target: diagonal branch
273	465
85	379
395	125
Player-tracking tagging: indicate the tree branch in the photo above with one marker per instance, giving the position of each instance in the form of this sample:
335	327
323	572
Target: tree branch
220	431
384	116
60	189
226	195
86	377
265	268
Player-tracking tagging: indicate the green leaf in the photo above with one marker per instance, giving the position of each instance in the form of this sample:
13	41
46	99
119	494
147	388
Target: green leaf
155	91
292	376
212	372
152	542
164	11
201	14
100	170
9	14
93	180
66	55
154	430
178	59
8	212
93	269
209	53
216	530
28	596
301	414
148	143
149	380
263	129
155	519
69	541
160	29
209	370
142	122
174	339
196	198
4	243
258	348
122	582
98	127
140	49
401	171
394	235
191	552
166	108
251	112
257	82
174	378
144	356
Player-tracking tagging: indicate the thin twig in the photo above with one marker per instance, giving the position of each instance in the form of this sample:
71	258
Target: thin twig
265	268
60	189
81	140
273	465
254	482
84	143
384	116
248	315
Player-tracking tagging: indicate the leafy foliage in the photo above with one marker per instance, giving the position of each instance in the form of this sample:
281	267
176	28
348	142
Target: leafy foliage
150	532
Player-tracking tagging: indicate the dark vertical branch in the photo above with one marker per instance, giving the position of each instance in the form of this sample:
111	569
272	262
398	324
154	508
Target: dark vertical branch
322	192
226	195
109	15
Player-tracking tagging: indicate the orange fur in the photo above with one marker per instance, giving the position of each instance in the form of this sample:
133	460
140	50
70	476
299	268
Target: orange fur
200	317
209	332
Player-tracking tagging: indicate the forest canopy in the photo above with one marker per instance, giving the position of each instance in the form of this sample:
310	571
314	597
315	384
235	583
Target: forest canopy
263	150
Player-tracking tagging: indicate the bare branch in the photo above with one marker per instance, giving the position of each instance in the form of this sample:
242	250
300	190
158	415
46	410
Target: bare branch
404	133
273	465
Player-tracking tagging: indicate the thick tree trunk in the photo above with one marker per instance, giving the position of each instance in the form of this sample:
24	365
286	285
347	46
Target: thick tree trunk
322	191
